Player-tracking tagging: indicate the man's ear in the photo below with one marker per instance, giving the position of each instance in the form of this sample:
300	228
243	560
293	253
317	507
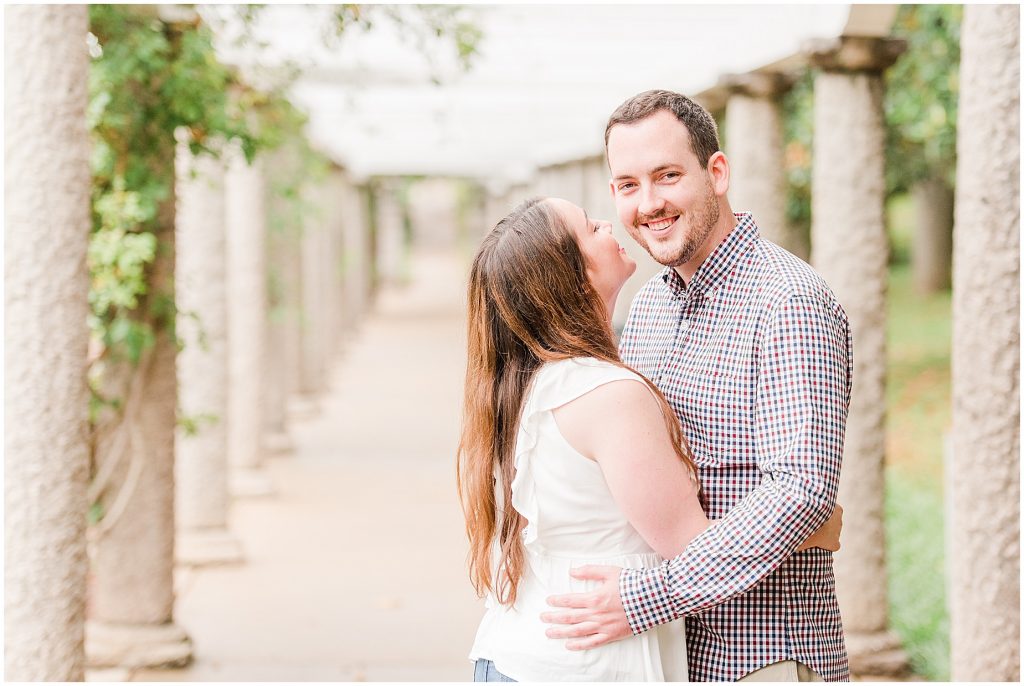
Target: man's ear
718	170
611	188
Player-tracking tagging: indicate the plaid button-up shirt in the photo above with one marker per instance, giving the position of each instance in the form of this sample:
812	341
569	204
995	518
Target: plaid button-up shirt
755	356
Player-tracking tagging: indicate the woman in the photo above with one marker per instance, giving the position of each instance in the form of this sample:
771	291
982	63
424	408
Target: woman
567	457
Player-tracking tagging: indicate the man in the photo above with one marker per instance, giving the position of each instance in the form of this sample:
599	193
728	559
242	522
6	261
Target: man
752	350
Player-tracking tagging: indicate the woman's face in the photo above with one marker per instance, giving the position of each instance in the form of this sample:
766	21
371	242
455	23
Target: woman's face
608	265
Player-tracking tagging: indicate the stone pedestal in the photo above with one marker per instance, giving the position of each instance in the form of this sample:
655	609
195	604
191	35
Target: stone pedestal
137	646
850	250
46	285
984	555
757	182
201	444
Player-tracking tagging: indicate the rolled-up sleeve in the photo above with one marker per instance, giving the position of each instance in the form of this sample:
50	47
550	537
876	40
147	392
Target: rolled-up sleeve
804	376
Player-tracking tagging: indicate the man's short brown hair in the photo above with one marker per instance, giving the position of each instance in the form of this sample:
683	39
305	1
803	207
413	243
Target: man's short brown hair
698	121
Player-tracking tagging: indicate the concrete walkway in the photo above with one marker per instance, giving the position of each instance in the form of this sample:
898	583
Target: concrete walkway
356	568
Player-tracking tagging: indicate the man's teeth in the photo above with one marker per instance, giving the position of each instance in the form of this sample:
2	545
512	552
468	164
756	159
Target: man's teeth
661	224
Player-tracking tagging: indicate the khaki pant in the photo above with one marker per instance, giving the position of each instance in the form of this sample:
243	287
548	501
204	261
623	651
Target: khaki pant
787	670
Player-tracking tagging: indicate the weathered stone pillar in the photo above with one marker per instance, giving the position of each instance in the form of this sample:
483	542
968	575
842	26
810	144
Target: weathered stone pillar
931	256
850	250
356	262
132	597
433	207
277	362
201	444
753	121
313	286
248	374
494	209
985	537
46	404
337	305
390	233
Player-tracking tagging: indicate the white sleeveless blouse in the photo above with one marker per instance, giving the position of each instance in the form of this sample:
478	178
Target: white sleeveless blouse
572	521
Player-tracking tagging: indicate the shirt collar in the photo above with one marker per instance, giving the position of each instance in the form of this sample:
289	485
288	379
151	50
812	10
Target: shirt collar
717	267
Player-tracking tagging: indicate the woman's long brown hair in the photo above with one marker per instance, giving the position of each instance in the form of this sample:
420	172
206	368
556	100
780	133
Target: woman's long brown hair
529	302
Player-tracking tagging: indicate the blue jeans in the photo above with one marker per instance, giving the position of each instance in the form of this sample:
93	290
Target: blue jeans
483	670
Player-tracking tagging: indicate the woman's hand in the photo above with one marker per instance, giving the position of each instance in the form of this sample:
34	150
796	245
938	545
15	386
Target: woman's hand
826	537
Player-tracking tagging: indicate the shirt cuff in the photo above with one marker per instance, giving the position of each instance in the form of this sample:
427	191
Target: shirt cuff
644	598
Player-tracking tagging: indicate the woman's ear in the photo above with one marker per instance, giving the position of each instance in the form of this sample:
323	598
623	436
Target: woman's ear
718	170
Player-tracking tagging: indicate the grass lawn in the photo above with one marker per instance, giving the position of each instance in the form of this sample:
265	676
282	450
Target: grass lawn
918	402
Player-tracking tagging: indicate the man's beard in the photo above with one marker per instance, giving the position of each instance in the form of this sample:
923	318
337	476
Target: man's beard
698	225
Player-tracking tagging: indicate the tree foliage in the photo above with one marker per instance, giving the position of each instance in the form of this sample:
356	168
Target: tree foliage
920	109
922	89
148	80
153	78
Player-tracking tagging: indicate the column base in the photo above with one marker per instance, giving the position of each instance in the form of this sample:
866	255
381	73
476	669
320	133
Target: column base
303	407
250	483
206	547
278	443
878	655
136	646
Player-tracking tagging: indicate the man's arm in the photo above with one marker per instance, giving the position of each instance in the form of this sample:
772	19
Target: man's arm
802	400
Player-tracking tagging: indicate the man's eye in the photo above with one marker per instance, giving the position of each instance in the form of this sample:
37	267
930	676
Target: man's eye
626	186
671	175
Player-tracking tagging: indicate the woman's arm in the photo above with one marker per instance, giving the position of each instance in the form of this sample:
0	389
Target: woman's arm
620	426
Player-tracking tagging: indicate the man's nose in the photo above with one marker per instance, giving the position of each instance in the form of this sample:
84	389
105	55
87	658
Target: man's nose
650	202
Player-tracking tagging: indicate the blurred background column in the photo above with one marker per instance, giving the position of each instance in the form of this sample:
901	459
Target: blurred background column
757	184
248	373
985	479
313	254
46	404
277	369
850	250
357	272
336	306
390	232
201	443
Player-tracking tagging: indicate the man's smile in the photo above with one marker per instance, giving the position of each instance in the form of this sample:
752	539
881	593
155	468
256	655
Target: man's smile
660	225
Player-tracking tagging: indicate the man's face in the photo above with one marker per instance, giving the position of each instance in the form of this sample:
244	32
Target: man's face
664	197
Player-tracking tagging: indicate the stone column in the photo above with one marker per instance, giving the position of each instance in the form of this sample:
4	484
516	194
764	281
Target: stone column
494	210
132	595
336	305
850	250
201	444
985	537
276	360
248	374
46	448
931	254
313	250
356	257
753	121
390	233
